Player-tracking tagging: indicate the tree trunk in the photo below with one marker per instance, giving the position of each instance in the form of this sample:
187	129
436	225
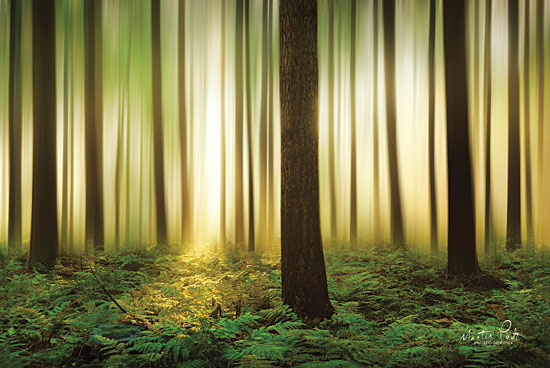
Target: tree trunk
263	127
487	75
331	125
186	203
541	102
65	169
15	85
251	234
526	129
462	257
513	233
375	123
94	124
396	217
239	91
270	132
157	124
353	159
222	138
431	132
44	241
304	280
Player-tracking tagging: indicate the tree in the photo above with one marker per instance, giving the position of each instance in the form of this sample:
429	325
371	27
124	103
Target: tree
44	240
239	215
157	125
431	131
487	76
14	210
353	165
94	123
396	217
462	257
331	124
251	234
526	127
541	100
186	203
222	136
513	233
304	281
270	130
263	125
375	122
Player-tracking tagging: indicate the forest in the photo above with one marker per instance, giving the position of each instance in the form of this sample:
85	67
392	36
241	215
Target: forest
274	183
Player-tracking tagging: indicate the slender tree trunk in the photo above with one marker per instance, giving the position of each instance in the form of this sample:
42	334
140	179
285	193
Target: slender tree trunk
222	138
513	233
263	128
186	203
396	217
157	124
303	273
70	186
353	173
331	124
541	102
251	220
270	133
431	132
239	91
462	257
375	124
94	124
488	85
14	214
527	130
65	173
44	240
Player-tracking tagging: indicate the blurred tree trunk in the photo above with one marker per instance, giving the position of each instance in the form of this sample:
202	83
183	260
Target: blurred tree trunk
94	123
396	217
157	124
222	138
15	85
462	257
375	125
186	203
488	85
513	233
541	102
353	159
239	91
431	132
304	280
270	123
263	127
526	127
331	125
251	234
65	170
44	238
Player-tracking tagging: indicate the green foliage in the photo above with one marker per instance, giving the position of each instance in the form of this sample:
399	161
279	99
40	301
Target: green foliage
394	309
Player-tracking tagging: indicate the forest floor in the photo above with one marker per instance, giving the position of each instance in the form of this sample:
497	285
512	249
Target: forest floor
152	308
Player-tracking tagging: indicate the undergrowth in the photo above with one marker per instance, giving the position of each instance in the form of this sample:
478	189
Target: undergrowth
393	309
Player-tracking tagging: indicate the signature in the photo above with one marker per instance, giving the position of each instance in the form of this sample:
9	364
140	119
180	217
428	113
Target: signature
498	336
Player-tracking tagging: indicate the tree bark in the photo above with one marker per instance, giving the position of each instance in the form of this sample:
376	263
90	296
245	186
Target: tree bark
513	233
396	217
94	124
462	257
431	132
157	124
304	282
353	148
15	85
44	238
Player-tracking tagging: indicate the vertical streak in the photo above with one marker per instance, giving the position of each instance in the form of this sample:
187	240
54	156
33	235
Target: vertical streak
488	85
251	233
375	122
431	131
222	136
527	126
353	169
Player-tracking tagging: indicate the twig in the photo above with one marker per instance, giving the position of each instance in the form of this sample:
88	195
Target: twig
107	292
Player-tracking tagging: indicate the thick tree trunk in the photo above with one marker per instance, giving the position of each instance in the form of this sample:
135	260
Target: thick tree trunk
331	124
526	128
487	83
304	280
251	220
239	91
186	203
94	124
353	148
431	132
222	138
396	217
157	125
44	240
15	85
462	257
375	124
513	233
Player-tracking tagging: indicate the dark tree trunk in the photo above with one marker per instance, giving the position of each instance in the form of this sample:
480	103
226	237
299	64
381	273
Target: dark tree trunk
222	139
396	217
251	234
462	257
431	132
44	240
304	281
331	125
94	124
353	159
513	233
157	125
527	130
14	214
375	123
186	203
239	91
487	75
